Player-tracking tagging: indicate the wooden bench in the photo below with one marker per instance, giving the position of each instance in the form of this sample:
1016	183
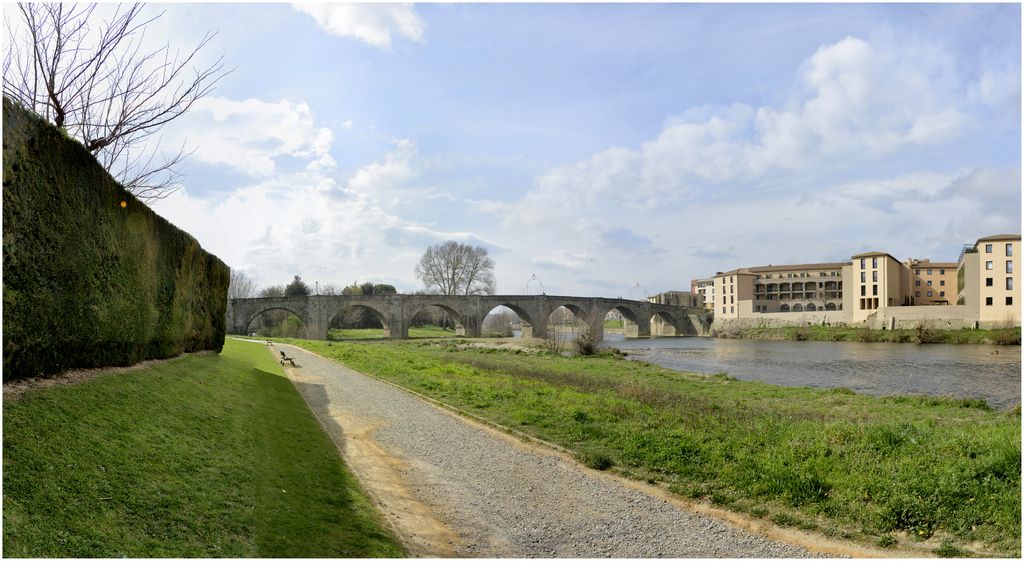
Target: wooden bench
286	359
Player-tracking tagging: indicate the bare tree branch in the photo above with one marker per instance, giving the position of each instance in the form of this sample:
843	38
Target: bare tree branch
97	82
454	268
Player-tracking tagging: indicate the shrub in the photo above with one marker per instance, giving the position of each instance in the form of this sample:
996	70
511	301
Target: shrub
585	343
947	549
596	460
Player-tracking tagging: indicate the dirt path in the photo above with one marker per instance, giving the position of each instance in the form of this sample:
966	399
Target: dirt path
450	487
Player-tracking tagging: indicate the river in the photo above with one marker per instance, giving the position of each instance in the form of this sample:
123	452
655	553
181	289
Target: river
990	372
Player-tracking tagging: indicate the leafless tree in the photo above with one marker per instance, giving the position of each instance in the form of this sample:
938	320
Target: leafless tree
241	286
95	81
454	268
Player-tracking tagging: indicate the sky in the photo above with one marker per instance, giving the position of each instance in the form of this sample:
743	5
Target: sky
604	149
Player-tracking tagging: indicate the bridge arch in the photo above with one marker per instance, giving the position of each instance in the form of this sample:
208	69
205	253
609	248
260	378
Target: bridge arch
458	316
334	315
252	318
664	324
526	321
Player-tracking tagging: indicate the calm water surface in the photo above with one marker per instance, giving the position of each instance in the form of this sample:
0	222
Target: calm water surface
990	372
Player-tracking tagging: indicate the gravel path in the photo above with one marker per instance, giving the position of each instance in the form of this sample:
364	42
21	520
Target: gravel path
454	488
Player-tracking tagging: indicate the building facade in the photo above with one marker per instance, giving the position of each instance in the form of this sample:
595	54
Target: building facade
876	288
988	279
706	288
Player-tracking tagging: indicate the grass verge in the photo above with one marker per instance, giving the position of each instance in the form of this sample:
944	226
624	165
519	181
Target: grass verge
923	334
920	470
204	456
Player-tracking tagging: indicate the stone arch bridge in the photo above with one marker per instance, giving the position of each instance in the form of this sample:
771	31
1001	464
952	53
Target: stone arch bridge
395	312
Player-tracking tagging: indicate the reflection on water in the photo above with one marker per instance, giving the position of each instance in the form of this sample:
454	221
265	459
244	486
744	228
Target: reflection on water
987	371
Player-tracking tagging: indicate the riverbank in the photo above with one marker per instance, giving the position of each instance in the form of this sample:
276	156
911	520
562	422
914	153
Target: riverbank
912	472
201	456
1010	336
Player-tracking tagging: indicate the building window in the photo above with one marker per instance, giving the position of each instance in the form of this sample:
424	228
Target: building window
1009	266
929	271
917	294
723	309
863	276
874	276
929	283
988	301
929	293
732	299
861	262
732	309
1009	283
874	290
917	283
988	248
1009	300
988	281
942	271
917	271
942	283
874	262
1009	249
988	265
942	293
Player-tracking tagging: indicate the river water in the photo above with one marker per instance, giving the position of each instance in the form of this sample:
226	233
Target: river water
989	372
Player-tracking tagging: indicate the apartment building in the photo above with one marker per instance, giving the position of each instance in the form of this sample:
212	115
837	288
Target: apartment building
797	288
706	288
678	298
934	283
875	286
734	292
988	279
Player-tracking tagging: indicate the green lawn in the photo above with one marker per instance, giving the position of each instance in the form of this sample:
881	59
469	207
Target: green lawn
427	331
613	324
939	473
1007	336
205	456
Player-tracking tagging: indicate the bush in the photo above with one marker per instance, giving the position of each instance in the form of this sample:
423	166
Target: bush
585	342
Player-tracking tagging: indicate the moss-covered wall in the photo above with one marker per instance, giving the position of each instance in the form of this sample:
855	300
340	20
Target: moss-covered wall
87	283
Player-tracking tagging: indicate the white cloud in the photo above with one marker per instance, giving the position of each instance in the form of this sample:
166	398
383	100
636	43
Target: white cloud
374	24
396	168
249	135
853	102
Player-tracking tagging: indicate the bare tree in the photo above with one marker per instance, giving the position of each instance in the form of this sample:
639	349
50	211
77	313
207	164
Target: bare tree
94	80
241	286
454	268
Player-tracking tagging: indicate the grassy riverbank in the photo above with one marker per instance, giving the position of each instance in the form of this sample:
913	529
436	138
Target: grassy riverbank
203	456
1010	336
937	473
427	331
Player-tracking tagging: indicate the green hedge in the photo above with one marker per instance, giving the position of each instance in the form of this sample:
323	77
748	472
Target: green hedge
88	283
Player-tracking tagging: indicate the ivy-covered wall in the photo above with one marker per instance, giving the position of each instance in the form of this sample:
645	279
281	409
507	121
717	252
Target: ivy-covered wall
88	282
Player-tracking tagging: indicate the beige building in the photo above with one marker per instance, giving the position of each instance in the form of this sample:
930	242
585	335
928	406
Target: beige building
988	279
934	283
878	289
796	288
706	288
678	298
